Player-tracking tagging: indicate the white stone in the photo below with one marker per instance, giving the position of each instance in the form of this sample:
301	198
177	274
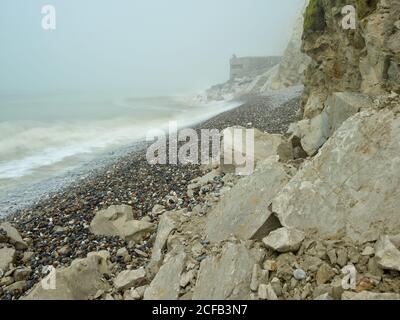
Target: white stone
118	221
7	256
351	187
266	292
225	276
265	146
387	255
166	284
84	278
129	278
368	251
244	210
284	240
168	223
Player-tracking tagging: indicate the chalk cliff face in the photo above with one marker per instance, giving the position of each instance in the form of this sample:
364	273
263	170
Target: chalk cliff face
294	62
366	59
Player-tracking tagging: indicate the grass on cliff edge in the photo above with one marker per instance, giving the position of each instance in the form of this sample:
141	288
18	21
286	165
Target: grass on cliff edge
314	16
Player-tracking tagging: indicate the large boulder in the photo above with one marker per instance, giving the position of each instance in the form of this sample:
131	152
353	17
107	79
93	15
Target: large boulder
7	256
168	223
118	221
352	186
234	147
166	284
79	281
284	240
387	254
226	276
313	133
130	278
244	210
342	105
11	235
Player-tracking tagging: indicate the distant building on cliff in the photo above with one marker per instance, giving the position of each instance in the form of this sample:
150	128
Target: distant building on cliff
251	66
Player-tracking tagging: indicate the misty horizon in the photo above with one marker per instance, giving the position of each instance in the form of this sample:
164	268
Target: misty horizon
151	48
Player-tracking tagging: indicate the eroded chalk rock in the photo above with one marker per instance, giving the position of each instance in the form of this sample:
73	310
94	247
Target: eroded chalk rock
234	149
225	276
166	284
11	236
387	255
77	282
244	210
7	256
351	187
130	278
118	221
284	240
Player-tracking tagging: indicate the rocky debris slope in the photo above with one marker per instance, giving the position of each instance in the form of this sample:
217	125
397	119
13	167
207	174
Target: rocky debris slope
318	228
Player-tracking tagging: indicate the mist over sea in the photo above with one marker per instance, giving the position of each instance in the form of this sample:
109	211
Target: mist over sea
45	136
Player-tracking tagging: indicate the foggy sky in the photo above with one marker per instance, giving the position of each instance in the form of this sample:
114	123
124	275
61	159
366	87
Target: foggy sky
144	47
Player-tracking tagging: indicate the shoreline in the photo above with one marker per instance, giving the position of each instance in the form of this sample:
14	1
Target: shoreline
57	227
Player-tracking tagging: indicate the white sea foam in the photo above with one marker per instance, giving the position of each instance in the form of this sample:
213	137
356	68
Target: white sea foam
34	140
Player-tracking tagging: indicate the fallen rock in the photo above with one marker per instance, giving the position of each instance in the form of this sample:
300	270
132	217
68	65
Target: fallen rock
342	105
265	145
187	278
166	284
324	296
118	221
324	274
351	186
12	236
84	278
22	273
266	292
167	224
368	251
130	278
387	255
244	210
7	256
131	295
312	133
284	240
226	276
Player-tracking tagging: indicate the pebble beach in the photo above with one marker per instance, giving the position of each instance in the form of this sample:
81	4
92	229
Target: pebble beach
56	227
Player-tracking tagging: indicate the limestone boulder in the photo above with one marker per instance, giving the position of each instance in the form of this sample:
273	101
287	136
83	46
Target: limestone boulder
284	240
130	278
243	211
226	276
387	255
342	105
11	235
7	256
312	133
168	223
166	284
119	221
83	279
351	186
235	149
